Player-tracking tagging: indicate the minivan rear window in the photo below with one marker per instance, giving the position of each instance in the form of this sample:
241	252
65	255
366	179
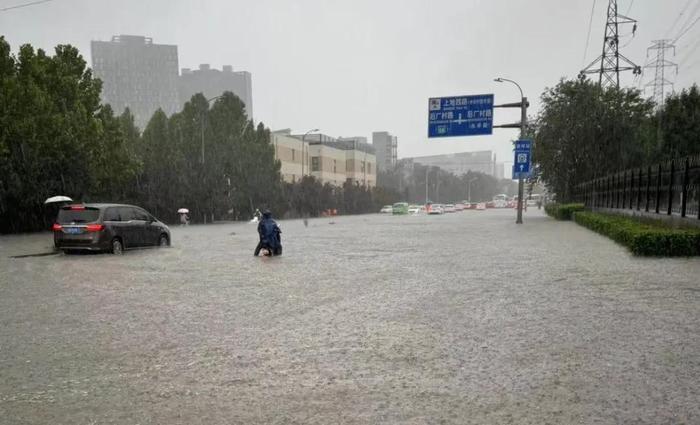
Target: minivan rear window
69	215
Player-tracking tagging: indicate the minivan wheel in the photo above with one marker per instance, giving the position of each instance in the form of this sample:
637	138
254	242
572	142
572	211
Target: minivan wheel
117	247
163	241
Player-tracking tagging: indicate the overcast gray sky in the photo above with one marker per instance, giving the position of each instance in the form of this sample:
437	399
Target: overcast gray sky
351	67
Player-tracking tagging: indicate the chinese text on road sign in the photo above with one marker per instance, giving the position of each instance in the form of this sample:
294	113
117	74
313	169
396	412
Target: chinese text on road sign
460	116
521	162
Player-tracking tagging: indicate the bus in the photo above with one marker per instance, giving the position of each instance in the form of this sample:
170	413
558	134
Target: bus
500	201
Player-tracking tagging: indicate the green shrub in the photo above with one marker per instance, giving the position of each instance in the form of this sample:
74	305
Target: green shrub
562	211
648	238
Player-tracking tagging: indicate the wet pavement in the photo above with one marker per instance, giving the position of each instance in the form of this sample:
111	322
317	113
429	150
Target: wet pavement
456	319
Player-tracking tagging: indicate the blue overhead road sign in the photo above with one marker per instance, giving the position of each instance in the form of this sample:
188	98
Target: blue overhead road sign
460	116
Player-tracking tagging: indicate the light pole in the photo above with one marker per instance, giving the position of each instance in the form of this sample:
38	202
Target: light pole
523	125
302	149
469	189
426	184
202	125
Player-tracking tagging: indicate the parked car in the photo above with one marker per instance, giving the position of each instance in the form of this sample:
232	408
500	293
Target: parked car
414	209
435	209
386	209
449	208
400	208
107	227
481	206
460	207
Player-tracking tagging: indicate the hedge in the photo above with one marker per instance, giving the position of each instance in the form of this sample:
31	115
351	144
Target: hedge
648	238
562	211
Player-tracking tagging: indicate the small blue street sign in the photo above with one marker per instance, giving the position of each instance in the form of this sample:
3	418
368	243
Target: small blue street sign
521	161
517	175
460	116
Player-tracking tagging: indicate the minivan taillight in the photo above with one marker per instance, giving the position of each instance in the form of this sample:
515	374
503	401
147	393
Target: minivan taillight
95	227
57	227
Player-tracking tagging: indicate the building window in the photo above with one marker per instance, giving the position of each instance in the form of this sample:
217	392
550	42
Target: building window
315	163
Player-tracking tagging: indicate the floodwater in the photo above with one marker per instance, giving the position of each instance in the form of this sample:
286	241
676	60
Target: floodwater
454	319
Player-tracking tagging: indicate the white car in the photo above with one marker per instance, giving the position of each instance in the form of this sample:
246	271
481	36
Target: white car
386	209
436	209
414	209
449	208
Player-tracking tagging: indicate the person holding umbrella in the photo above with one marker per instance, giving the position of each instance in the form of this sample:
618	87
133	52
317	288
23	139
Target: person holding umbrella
184	216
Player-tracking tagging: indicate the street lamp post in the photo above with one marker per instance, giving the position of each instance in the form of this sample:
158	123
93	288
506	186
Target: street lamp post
302	150
426	184
523	129
469	189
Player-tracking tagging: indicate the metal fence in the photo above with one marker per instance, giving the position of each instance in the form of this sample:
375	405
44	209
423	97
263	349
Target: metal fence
668	188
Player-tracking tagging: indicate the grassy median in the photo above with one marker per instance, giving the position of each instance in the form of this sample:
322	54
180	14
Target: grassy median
643	237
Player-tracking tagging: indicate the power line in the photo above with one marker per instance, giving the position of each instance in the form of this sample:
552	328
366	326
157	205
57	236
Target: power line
588	37
678	18
687	29
630	7
24	5
690	21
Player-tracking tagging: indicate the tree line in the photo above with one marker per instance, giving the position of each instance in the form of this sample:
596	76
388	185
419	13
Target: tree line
56	138
584	131
408	181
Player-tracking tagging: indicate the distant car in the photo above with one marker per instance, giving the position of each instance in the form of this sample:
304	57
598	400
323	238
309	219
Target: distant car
481	206
449	208
435	209
400	208
460	207
107	227
386	209
491	204
414	209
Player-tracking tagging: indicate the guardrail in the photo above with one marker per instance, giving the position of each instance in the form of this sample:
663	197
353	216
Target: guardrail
670	188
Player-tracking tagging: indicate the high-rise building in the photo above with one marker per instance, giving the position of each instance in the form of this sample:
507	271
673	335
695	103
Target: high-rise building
138	74
386	147
212	83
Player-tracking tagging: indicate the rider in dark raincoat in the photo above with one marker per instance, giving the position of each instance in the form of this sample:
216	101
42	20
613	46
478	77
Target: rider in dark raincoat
269	233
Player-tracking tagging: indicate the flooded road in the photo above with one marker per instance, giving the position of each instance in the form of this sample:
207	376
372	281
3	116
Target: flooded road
462	318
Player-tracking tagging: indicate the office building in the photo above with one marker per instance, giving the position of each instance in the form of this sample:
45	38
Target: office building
461	163
328	159
138	74
292	154
213	82
385	146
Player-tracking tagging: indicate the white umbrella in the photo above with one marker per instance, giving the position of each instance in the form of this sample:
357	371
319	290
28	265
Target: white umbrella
54	199
183	211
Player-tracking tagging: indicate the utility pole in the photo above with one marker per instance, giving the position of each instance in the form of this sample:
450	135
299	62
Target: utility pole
660	65
523	104
607	65
426	184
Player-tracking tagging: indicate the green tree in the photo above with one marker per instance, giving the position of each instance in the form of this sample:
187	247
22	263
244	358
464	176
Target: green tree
680	124
584	131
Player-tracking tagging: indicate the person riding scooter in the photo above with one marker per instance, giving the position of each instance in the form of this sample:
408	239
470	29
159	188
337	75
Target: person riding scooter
270	239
